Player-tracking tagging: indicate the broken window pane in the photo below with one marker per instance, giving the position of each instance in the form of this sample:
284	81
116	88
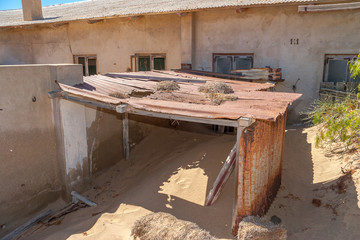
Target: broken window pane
337	70
242	62
223	64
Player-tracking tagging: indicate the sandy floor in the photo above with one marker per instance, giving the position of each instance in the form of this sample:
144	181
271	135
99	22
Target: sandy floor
171	171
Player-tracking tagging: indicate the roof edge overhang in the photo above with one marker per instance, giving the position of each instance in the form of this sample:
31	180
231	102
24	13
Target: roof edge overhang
43	23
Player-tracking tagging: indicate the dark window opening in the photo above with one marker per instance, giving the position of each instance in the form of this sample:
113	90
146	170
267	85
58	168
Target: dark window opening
225	63
337	69
148	62
159	63
89	64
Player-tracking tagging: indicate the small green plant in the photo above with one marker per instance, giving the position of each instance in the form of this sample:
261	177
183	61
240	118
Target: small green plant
354	67
339	120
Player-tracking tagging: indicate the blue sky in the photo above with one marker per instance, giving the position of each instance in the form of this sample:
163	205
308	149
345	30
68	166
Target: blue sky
16	4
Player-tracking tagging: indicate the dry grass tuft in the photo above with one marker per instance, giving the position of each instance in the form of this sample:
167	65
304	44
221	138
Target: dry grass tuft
218	98
159	226
119	95
216	87
167	86
256	228
218	92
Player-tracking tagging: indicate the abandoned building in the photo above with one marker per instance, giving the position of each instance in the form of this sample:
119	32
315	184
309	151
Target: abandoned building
72	69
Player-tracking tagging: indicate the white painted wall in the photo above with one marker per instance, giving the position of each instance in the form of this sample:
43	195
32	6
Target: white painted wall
75	140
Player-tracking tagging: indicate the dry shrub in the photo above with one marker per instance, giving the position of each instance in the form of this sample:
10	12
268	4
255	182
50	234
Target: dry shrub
218	98
218	92
159	226
216	87
167	86
256	228
119	95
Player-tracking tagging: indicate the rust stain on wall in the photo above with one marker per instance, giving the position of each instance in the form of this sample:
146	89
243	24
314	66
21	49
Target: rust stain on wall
259	170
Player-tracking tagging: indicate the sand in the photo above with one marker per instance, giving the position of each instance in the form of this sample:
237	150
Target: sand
173	170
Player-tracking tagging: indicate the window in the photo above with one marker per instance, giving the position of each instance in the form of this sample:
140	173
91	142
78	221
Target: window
88	62
147	62
224	63
337	68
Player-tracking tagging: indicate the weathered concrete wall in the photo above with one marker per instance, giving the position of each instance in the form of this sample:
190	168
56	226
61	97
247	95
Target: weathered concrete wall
29	177
113	41
49	147
266	32
104	136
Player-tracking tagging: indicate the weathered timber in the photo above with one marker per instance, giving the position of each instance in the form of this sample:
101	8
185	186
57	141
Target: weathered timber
76	197
222	178
222	122
26	226
126	147
89	102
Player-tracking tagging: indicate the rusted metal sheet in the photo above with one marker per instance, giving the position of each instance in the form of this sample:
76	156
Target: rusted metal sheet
259	168
139	91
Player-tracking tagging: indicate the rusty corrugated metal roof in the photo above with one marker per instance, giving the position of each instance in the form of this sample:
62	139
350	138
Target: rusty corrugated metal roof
138	90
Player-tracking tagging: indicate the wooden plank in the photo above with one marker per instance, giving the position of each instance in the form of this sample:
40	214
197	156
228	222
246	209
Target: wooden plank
239	177
328	7
89	102
55	94
222	178
222	122
26	226
77	197
126	147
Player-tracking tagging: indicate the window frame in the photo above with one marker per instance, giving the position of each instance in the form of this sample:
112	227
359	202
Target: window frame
232	55
337	56
134	60
86	59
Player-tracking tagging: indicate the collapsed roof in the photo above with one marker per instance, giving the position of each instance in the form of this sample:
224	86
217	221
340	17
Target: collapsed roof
137	90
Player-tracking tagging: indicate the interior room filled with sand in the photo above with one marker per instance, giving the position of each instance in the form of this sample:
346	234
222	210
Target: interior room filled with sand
172	170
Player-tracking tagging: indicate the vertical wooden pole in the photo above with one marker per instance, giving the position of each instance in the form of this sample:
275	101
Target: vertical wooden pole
126	147
238	202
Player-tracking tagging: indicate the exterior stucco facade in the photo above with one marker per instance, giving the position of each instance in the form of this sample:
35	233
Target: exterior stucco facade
265	32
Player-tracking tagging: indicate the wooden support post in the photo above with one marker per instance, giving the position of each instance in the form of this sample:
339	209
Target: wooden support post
27	225
76	197
239	181
126	147
222	178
